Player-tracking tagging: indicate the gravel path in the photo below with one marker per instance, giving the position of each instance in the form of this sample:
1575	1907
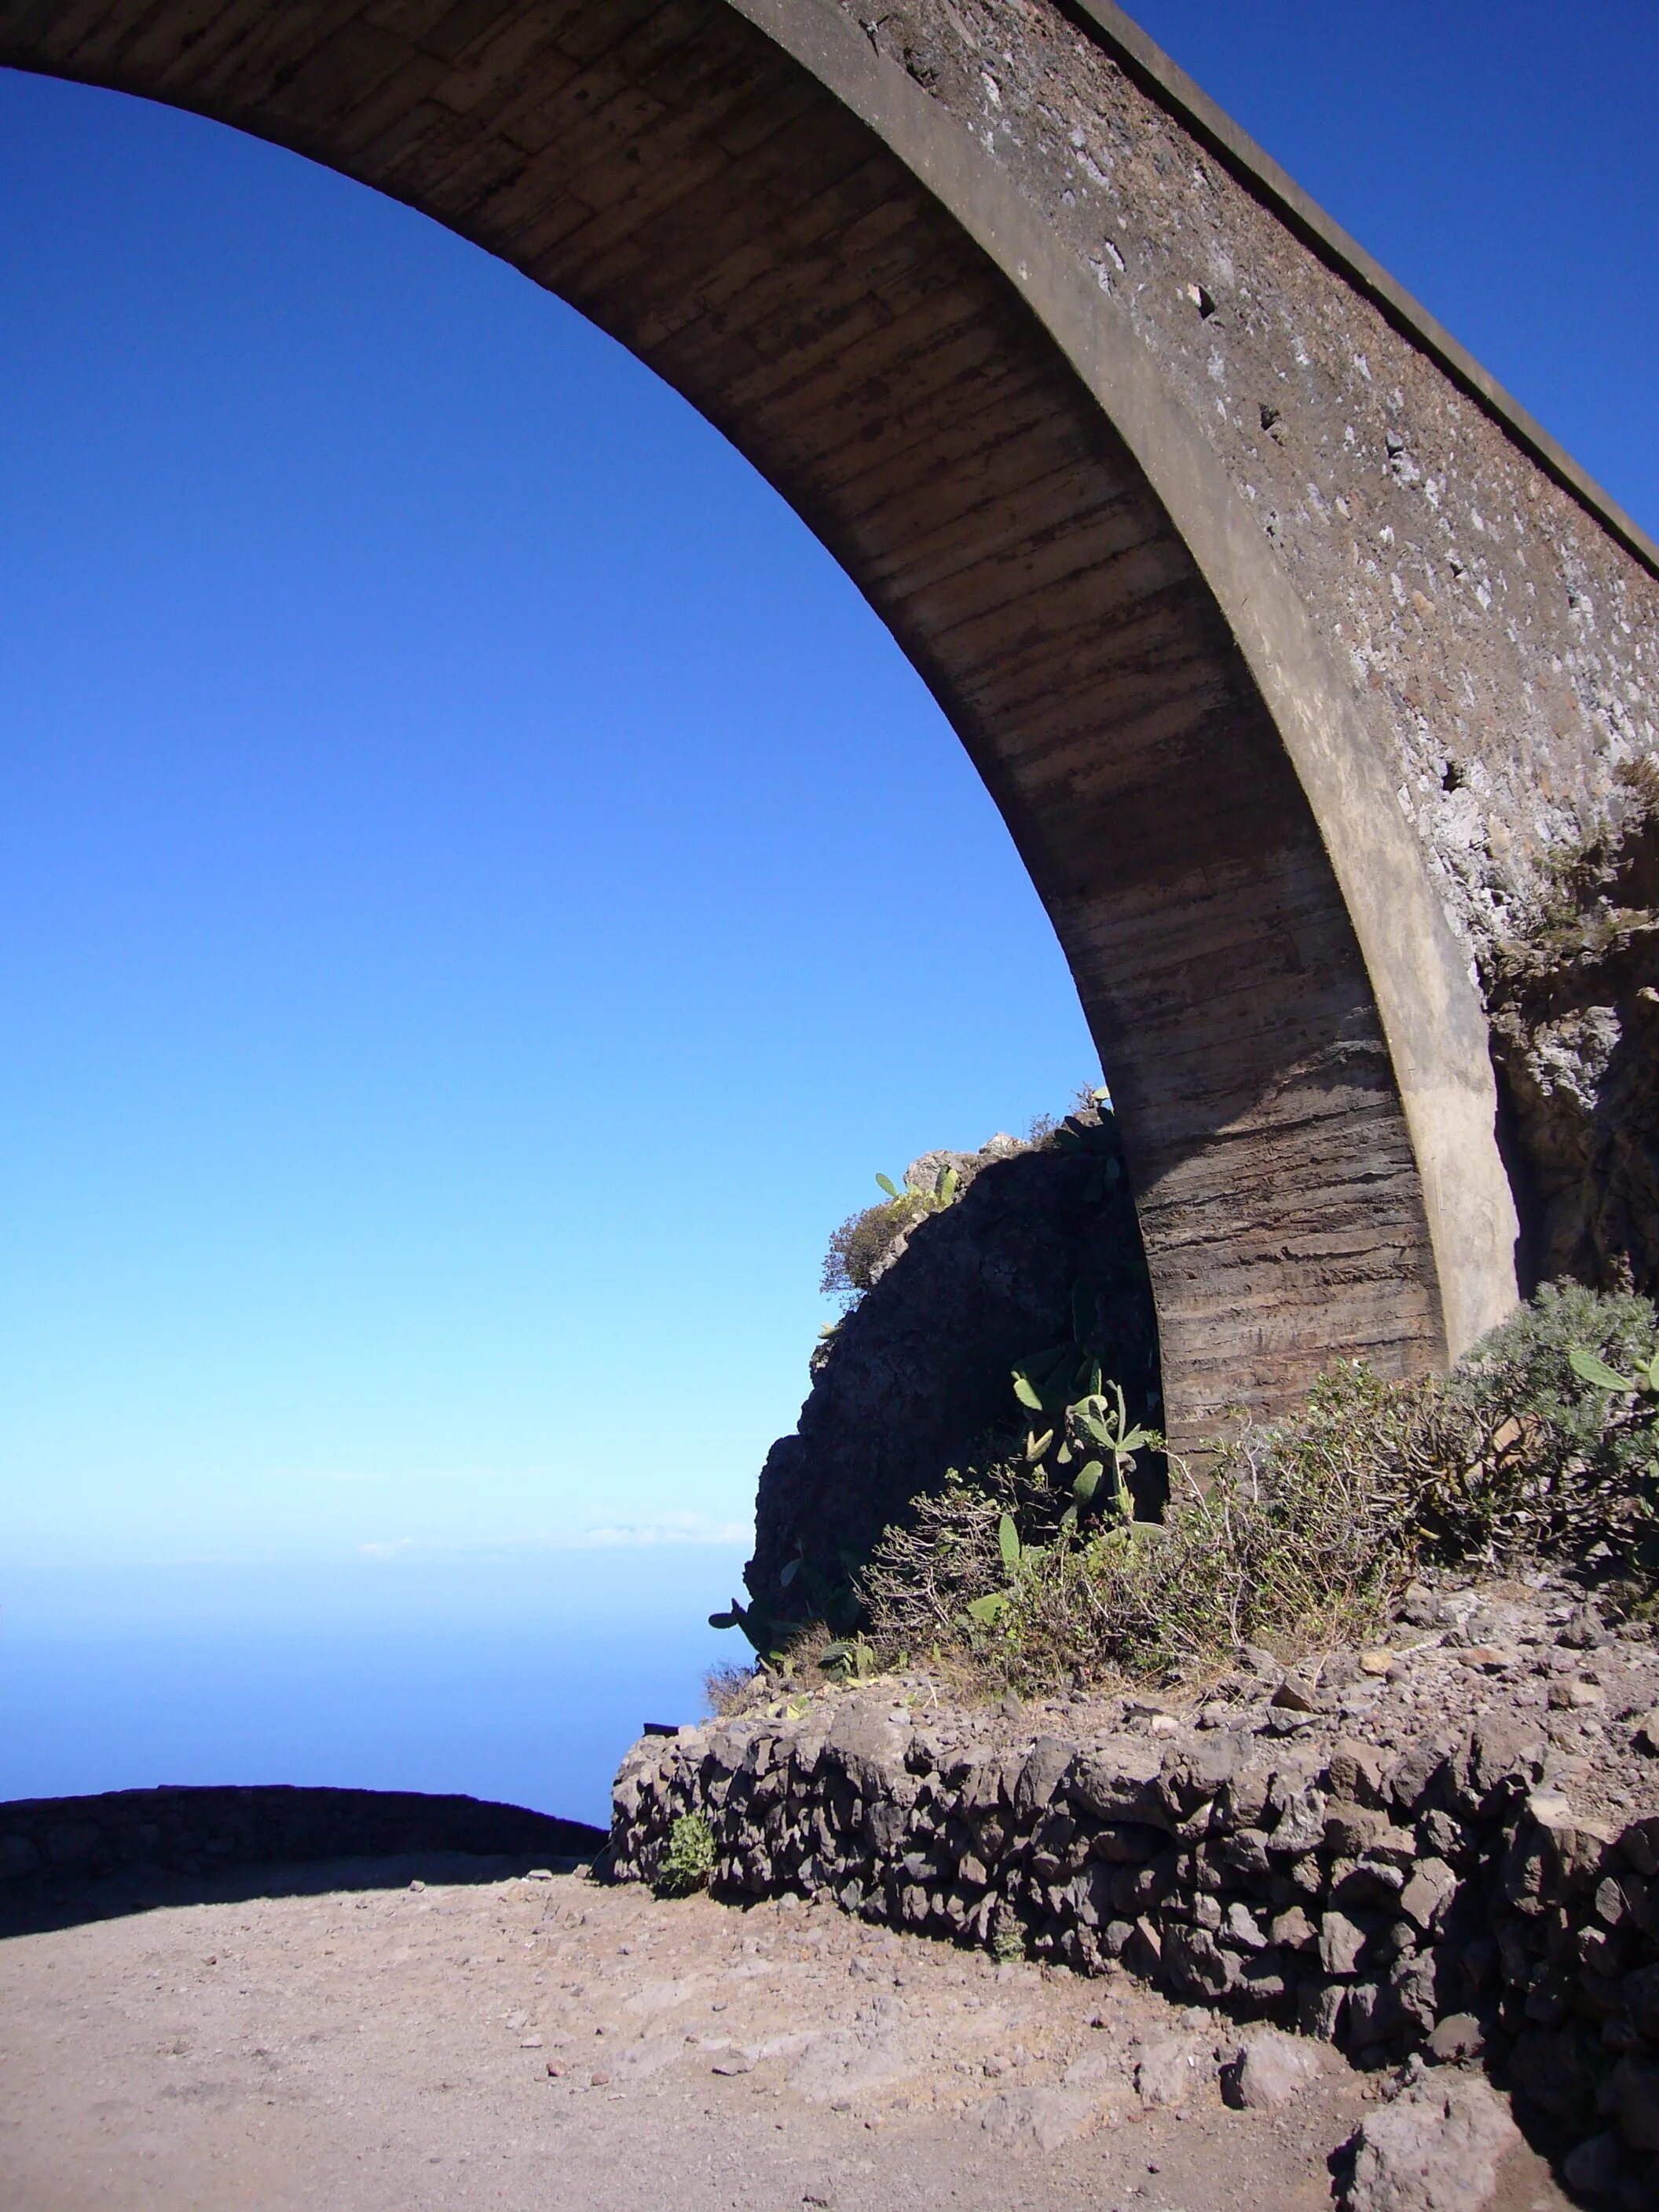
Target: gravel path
373	2047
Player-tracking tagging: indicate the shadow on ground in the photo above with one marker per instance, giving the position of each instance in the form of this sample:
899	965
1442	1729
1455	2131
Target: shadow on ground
33	1907
66	1860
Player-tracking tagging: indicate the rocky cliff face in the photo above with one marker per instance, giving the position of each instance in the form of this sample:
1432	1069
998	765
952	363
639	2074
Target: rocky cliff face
918	1374
1573	999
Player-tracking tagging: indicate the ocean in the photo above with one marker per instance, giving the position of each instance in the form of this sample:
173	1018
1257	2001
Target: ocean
518	1679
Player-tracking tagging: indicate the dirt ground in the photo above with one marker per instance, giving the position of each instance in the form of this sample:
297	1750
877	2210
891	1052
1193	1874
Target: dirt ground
369	2044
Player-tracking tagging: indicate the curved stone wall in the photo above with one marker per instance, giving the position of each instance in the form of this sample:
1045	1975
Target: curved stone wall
48	1840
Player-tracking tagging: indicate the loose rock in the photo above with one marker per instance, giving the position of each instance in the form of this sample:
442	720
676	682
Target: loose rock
1046	2117
1269	2070
1166	2074
1435	2149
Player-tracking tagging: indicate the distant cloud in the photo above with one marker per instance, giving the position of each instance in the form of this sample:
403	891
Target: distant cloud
671	1528
401	1474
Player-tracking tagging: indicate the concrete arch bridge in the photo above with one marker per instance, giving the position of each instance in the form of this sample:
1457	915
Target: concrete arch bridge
1293	654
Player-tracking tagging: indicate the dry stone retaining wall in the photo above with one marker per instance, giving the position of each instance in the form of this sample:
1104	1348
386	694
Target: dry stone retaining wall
1446	1897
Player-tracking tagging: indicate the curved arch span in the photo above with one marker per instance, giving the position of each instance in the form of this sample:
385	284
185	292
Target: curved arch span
783	225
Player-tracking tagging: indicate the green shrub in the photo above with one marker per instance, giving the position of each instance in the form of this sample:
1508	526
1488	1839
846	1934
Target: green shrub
864	1240
861	1244
1553	1463
1007	1935
1543	1445
925	1577
1301	1540
688	1861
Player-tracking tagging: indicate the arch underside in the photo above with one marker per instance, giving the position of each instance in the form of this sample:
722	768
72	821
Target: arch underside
671	172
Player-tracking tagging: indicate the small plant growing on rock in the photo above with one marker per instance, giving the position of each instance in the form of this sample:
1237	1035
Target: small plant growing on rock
1089	1132
849	1659
1554	1424
1543	1445
1079	1438
925	1577
829	1606
1088	1449
861	1248
1017	1558
932	1198
833	1599
725	1687
688	1860
765	1635
1007	1942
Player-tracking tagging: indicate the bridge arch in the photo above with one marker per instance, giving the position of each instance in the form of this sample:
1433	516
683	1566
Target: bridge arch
783	221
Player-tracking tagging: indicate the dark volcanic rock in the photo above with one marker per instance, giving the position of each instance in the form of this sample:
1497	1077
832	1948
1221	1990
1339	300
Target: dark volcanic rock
1575	1040
919	1372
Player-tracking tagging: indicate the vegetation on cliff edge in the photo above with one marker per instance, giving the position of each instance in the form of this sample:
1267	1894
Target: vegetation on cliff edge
1543	1445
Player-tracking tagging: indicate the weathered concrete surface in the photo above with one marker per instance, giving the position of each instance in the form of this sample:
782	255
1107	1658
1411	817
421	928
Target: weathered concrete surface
1289	660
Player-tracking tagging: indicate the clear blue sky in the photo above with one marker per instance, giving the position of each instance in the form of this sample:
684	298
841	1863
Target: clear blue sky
481	895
